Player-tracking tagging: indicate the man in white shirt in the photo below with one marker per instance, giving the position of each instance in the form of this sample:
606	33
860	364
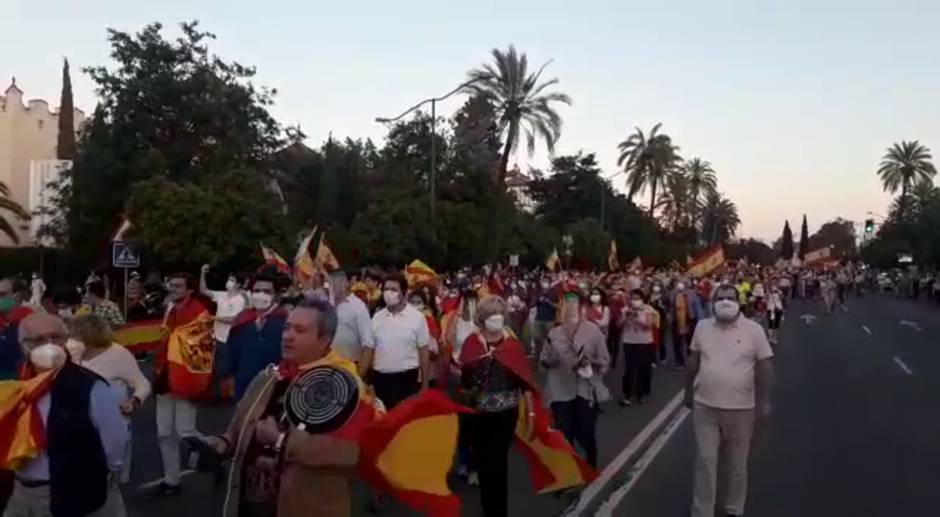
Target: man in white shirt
354	328
398	358
229	304
728	374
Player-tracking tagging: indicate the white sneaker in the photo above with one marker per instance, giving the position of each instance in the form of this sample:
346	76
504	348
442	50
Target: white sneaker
473	479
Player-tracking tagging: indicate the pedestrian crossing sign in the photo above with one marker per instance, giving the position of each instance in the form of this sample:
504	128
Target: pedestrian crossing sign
124	255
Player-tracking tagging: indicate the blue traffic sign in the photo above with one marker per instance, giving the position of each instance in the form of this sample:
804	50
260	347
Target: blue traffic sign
124	255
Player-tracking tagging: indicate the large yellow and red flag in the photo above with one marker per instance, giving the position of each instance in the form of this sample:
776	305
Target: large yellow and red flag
612	263
141	336
707	262
271	258
22	434
325	261
304	266
418	273
552	261
190	357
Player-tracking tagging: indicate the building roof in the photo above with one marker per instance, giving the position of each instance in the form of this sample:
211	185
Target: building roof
13	87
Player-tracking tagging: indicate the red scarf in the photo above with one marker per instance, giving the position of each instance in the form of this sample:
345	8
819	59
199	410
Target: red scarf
508	352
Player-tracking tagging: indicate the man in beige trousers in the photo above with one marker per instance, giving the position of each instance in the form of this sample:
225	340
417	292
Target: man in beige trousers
729	373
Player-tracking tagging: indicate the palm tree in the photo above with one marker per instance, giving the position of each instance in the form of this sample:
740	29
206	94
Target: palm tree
8	205
922	197
648	161
521	102
720	218
904	165
676	202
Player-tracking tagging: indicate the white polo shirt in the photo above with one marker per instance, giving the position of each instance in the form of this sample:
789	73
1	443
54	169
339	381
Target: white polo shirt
725	378
397	338
227	306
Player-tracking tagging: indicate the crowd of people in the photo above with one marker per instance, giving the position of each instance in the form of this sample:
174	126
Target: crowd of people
460	332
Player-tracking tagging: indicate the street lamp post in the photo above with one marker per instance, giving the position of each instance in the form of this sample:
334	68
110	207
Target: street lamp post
432	176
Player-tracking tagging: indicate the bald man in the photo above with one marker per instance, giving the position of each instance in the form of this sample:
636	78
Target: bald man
85	434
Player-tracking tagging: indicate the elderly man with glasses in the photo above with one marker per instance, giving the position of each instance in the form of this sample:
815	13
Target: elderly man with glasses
729	374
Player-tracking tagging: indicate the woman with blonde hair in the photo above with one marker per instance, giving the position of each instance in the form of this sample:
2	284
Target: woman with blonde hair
496	376
91	345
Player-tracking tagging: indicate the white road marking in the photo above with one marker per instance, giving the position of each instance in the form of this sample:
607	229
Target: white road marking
844	308
596	486
808	318
902	366
609	506
866	329
913	324
155	482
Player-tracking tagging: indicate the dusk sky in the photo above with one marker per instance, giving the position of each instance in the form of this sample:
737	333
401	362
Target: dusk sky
793	103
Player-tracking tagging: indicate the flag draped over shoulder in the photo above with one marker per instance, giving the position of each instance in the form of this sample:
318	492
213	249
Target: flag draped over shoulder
707	262
553	463
190	357
612	263
22	435
418	273
408	451
552	261
141	336
271	258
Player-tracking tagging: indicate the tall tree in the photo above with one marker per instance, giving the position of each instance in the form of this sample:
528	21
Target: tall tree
804	239
648	162
677	203
786	248
521	102
65	145
902	166
719	218
8	205
702	180
838	235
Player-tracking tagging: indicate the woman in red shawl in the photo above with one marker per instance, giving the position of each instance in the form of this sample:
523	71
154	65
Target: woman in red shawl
495	375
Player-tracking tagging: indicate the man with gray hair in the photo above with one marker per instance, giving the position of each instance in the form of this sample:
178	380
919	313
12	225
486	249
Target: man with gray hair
76	473
354	327
728	375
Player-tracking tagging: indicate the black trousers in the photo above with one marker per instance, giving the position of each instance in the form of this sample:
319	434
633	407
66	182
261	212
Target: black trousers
680	346
392	388
637	370
577	419
491	435
613	343
6	488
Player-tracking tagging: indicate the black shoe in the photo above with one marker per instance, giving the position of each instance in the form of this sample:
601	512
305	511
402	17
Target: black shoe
378	503
164	490
732	515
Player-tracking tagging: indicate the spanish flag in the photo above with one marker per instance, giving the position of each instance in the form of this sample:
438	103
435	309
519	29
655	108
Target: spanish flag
190	357
710	260
141	336
22	435
271	258
553	463
552	261
418	273
304	266
407	452
325	260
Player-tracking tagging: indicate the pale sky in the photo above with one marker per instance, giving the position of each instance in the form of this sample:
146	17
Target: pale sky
793	102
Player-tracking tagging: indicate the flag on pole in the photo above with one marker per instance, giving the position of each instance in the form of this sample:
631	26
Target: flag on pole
325	261
707	262
552	261
122	230
304	266
418	273
271	258
612	263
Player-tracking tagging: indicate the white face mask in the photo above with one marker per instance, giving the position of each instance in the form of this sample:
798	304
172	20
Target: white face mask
47	357
231	285
66	313
261	301
494	323
76	350
657	289
595	298
392	298
545	285
680	286
636	304
727	310
417	304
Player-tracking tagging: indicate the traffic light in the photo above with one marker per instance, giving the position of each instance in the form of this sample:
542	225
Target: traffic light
869	226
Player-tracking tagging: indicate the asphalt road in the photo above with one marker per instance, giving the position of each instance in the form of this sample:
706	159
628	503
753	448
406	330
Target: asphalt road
855	430
616	427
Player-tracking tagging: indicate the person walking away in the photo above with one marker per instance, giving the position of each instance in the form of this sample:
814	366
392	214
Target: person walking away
637	338
399	358
176	416
102	306
354	325
495	375
775	308
279	469
616	303
730	372
683	317
76	471
92	346
254	341
827	289
545	302
229	304
576	360
659	303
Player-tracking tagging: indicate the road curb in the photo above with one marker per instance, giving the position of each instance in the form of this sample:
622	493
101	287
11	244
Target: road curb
617	472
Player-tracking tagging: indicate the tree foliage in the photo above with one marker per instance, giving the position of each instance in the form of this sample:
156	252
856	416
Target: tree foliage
804	239
65	143
648	160
839	235
786	245
904	165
